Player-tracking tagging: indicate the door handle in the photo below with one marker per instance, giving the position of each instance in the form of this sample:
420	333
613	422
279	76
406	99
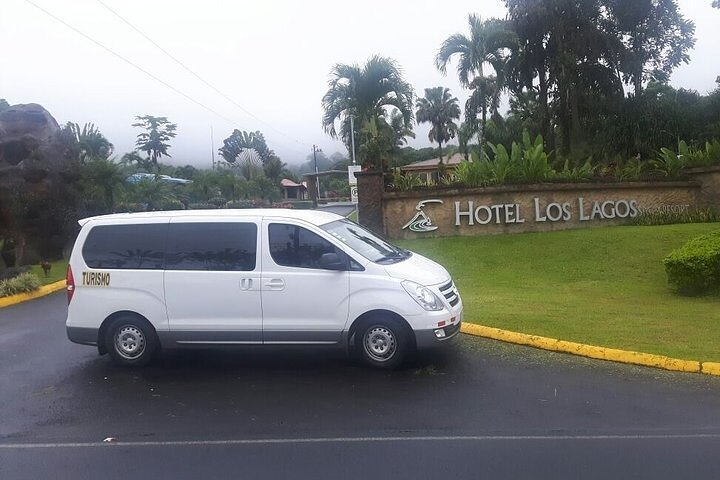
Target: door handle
275	284
246	284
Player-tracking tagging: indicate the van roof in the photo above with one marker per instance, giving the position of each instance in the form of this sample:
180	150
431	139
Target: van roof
315	217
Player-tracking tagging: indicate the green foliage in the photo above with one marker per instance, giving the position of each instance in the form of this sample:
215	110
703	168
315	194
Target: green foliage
534	165
668	163
474	174
674	216
368	94
23	283
576	173
85	143
155	140
404	181
504	167
694	268
202	206
701	157
632	170
439	108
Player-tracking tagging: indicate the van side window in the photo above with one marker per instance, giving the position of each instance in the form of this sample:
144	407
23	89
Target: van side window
294	246
135	246
211	246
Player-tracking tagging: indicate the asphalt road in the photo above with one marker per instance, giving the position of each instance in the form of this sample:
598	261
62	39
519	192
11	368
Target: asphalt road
481	409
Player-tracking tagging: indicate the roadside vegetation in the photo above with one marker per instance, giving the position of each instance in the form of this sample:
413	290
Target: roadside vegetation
604	286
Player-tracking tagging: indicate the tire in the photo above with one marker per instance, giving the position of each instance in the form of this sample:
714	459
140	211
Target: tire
131	341
382	344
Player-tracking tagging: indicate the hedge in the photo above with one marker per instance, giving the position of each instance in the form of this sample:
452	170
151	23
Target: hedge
694	268
25	282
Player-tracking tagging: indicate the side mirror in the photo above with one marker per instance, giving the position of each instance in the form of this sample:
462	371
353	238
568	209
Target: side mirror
332	261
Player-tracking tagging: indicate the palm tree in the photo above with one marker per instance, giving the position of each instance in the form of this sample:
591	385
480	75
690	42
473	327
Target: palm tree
487	44
367	94
155	141
439	108
87	142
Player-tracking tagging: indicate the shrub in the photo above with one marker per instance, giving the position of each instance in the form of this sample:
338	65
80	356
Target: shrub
474	174
25	282
694	268
404	181
171	204
202	206
534	163
240	204
217	201
581	173
12	272
669	217
700	157
668	163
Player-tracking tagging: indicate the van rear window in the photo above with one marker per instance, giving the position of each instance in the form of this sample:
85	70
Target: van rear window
136	246
211	246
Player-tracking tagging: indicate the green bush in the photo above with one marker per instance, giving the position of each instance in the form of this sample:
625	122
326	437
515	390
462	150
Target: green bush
405	181
671	217
25	282
694	268
240	204
202	206
171	204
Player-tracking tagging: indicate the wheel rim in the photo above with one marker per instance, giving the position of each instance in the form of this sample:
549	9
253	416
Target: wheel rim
380	344
129	342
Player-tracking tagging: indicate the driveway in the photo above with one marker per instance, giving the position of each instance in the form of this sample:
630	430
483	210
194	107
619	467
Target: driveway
482	409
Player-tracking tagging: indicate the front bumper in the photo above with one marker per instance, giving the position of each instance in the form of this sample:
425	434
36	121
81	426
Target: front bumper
425	339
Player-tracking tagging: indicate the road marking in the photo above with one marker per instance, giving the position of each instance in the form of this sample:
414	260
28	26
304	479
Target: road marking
275	441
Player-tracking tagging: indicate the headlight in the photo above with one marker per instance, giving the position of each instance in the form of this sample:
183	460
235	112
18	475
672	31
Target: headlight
423	296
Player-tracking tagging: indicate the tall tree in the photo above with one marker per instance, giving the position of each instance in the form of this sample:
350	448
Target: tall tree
155	140
654	36
240	142
368	94
86	142
440	109
487	46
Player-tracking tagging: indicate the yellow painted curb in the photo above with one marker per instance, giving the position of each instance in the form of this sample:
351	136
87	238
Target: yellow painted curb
591	351
40	292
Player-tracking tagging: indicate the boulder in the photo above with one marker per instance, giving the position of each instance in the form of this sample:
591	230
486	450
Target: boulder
35	180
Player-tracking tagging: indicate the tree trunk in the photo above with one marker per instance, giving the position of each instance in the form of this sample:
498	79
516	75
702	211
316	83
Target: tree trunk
545	127
576	128
19	249
481	131
440	150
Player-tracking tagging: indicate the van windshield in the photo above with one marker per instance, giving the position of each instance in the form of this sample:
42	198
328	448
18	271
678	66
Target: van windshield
365	242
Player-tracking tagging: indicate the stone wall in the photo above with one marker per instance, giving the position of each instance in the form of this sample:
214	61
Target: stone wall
709	179
533	208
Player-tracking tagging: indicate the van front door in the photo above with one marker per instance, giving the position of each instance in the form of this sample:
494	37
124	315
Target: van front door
302	302
212	281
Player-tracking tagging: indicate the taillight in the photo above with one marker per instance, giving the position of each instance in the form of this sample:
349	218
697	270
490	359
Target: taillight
70	283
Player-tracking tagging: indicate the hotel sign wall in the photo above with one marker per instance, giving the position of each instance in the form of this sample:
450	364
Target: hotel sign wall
502	211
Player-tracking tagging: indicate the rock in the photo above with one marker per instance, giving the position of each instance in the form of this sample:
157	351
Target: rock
36	179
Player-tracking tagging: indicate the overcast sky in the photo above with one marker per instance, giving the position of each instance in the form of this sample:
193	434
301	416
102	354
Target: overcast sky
272	57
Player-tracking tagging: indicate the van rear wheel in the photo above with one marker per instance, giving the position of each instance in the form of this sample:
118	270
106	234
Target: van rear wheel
382	344
131	341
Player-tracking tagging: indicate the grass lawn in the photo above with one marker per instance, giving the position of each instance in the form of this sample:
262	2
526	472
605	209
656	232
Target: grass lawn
57	272
601	286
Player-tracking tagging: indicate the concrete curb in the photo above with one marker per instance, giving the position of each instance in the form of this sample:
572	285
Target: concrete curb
40	292
591	351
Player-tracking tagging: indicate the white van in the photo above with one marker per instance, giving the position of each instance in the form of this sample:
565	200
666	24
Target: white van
137	282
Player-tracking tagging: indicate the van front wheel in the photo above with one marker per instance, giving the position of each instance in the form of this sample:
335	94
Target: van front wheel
381	344
131	341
